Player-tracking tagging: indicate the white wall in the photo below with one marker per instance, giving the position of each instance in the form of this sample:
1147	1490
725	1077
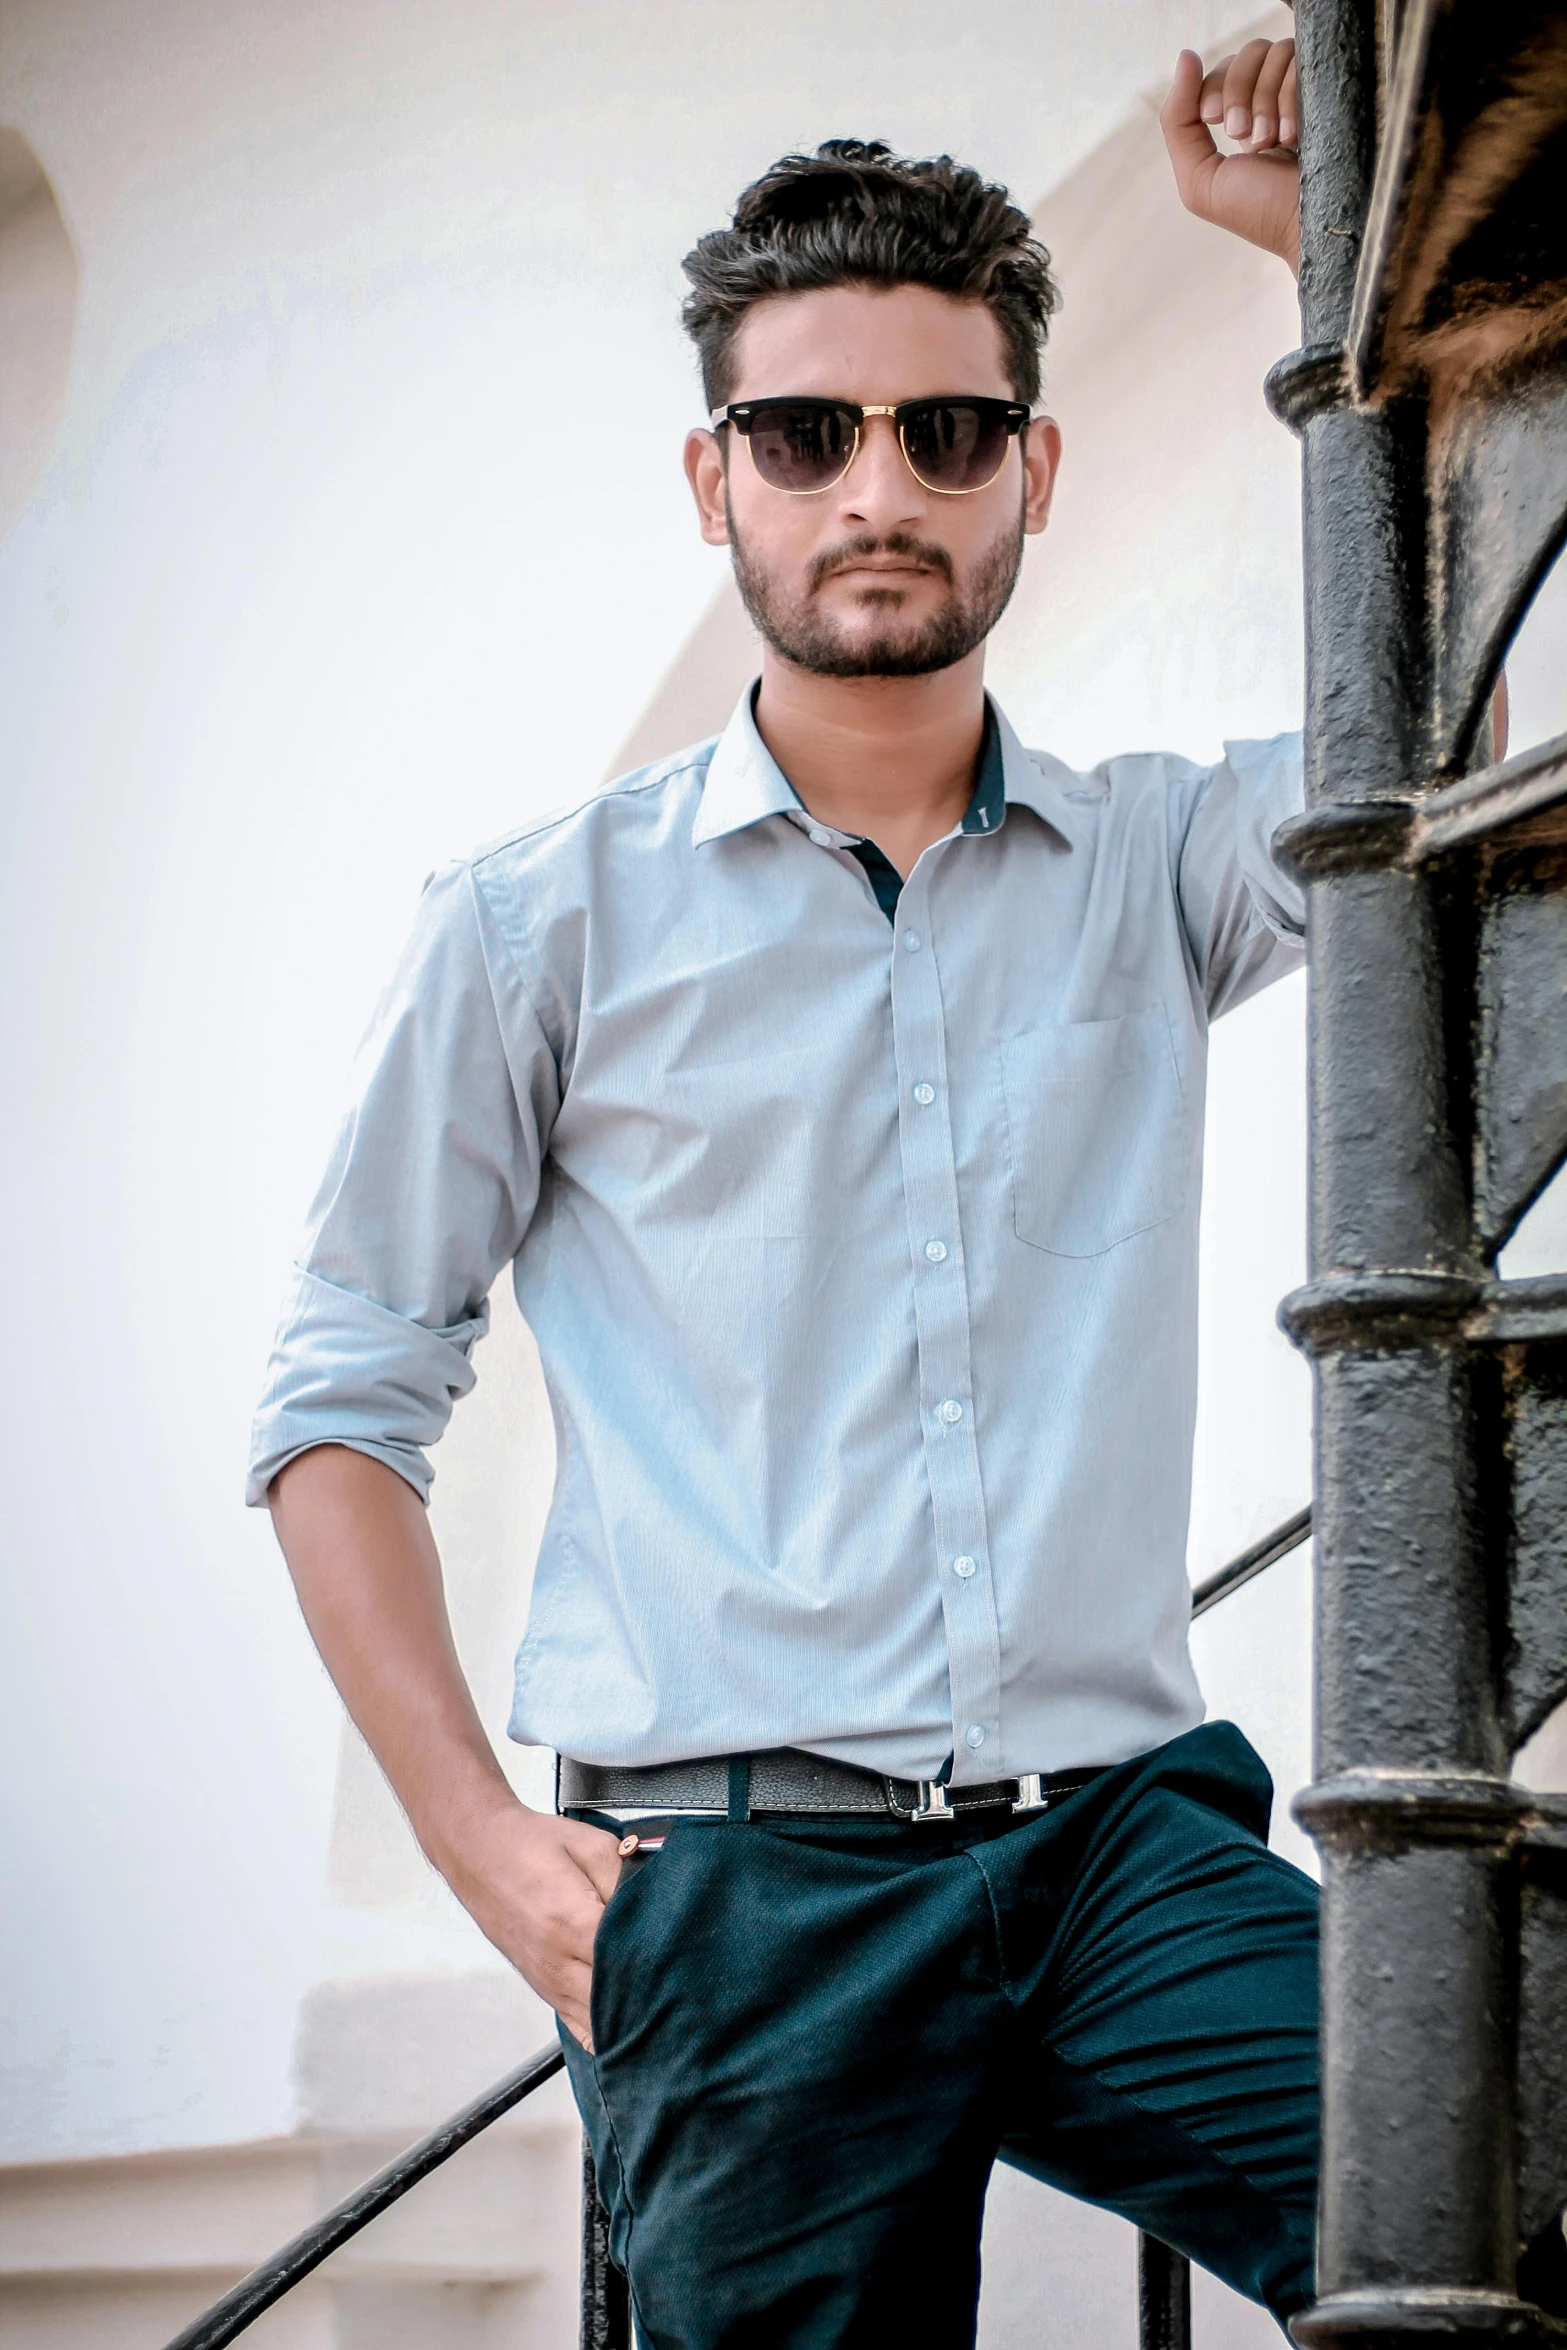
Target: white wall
339	568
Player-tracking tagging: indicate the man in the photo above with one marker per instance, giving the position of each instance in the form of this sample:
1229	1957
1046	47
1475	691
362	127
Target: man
836	1091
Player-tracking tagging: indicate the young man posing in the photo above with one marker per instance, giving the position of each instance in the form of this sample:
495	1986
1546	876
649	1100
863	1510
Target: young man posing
836	1090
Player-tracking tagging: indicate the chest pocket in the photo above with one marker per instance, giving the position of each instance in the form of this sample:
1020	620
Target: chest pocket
1096	1132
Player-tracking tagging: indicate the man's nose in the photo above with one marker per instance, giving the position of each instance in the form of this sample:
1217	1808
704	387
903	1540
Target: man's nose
879	492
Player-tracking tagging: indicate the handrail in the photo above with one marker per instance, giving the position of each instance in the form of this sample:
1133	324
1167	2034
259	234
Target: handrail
245	2301
1265	1553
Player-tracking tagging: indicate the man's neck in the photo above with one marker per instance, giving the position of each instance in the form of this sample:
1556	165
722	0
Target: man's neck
892	759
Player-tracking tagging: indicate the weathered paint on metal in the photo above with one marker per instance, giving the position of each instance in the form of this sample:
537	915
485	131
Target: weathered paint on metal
1431	397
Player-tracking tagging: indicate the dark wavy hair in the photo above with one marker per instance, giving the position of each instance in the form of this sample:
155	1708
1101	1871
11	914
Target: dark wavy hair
854	213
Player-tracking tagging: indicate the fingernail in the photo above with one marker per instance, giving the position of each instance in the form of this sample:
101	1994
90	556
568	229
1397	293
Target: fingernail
1237	123
1261	129
1286	130
1212	109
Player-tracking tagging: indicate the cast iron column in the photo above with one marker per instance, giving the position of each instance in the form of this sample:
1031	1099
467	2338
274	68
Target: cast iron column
1412	1808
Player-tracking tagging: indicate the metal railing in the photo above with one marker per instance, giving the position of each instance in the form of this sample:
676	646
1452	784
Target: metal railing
244	2303
1163	2275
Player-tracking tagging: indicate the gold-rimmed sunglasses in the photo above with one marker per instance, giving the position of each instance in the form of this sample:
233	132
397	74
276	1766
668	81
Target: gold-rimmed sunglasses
804	446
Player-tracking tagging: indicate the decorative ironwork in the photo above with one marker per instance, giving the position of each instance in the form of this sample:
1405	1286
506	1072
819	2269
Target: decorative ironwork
1431	397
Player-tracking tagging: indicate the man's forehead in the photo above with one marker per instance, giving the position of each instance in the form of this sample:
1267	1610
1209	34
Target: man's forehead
869	343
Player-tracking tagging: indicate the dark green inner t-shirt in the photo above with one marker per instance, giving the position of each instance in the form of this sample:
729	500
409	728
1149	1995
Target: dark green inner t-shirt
985	811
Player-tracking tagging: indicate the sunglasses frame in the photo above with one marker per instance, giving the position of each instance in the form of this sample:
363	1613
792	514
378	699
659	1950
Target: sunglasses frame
742	414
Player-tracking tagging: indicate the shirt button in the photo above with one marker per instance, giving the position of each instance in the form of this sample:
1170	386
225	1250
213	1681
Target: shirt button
963	1566
924	1095
822	839
974	1734
936	1250
911	939
951	1412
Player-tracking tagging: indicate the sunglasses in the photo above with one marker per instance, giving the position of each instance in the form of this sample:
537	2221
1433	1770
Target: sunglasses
805	446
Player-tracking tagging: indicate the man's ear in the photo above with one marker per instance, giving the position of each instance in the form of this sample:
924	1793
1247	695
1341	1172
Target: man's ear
705	473
1041	460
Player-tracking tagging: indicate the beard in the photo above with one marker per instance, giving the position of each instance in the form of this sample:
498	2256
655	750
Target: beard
799	631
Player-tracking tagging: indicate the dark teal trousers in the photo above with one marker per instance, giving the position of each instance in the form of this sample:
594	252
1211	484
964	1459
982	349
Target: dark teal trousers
814	2038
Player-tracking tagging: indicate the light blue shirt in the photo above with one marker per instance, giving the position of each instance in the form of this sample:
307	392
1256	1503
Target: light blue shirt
862	1261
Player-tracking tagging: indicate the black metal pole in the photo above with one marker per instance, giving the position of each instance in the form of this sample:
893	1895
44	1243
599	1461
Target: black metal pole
606	2299
1411	1807
1164	2296
275	2277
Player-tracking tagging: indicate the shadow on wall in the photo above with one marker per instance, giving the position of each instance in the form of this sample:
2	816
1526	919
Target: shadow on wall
701	686
40	278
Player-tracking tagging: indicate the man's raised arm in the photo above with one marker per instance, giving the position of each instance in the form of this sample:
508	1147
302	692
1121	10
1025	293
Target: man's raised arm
1255	194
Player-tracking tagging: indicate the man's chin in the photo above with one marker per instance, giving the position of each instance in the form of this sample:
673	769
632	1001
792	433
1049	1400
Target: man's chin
904	652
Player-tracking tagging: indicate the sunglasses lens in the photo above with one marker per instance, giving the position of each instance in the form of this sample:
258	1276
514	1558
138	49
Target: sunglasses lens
955	444
799	445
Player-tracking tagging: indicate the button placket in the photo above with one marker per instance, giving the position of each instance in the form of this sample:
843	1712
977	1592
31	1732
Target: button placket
942	1328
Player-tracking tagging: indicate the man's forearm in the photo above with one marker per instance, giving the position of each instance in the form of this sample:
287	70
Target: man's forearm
365	1566
359	1547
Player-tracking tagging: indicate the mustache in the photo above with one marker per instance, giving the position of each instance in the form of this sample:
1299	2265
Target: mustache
900	543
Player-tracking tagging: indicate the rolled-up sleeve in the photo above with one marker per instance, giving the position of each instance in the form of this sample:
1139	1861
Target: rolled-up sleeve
429	1192
1245	918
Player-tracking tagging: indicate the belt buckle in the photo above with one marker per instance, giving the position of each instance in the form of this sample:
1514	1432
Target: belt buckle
932	1804
1030	1795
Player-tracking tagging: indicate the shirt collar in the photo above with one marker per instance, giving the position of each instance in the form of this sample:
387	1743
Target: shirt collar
744	781
987	810
1035	780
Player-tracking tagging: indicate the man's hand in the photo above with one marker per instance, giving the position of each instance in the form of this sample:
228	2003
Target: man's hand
537	1886
1256	194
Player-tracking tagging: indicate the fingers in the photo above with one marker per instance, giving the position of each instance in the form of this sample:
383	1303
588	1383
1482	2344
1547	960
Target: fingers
1193	156
573	1991
1239	83
1289	104
1267	127
1211	104
575	1927
1255	193
1254	95
557	1954
596	1854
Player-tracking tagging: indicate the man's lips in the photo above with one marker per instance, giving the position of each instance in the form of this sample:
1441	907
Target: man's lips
864	561
897	570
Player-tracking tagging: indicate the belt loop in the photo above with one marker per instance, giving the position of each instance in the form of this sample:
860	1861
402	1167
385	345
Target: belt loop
740	1787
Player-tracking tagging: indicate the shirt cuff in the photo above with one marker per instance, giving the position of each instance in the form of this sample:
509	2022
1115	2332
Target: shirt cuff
348	1371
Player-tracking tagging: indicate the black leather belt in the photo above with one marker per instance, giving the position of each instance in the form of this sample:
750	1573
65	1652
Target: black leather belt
784	1780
